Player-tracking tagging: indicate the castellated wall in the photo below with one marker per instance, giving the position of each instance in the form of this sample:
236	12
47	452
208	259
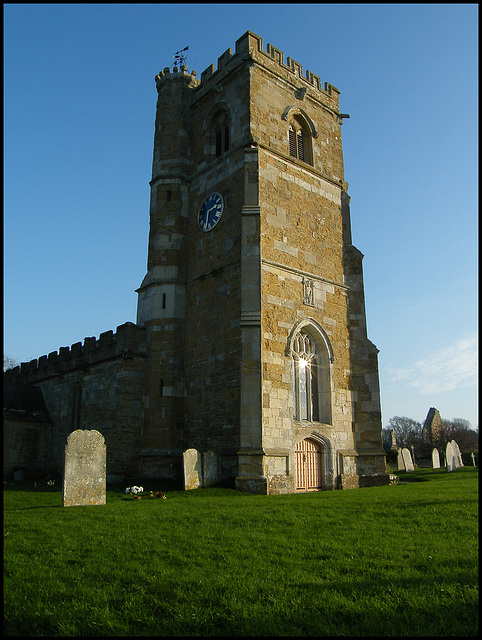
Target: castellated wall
95	385
251	45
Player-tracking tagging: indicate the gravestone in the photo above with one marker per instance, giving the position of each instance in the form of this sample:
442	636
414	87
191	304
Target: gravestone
210	468
400	462
450	461
407	460
458	455
192	465
435	459
473	459
393	440
84	469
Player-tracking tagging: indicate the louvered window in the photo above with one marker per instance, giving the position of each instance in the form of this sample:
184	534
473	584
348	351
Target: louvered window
299	140
218	143
300	145
292	141
226	138
221	139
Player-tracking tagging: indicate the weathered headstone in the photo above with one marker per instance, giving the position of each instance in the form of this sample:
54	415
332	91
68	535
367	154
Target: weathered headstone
435	459
393	440
84	469
210	468
407	460
458	455
400	462
450	461
412	448
473	459
192	464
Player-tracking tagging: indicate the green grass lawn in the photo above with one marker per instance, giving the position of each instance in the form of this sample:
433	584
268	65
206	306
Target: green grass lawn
400	560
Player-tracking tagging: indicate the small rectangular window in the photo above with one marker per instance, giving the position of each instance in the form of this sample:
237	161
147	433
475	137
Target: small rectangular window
163	300
218	143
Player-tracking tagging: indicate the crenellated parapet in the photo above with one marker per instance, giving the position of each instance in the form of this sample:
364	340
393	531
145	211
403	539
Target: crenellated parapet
250	47
180	73
129	341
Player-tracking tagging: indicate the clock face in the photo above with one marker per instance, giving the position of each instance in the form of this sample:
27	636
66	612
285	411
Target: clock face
210	212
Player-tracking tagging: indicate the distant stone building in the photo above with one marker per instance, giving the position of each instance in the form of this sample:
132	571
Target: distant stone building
432	428
250	338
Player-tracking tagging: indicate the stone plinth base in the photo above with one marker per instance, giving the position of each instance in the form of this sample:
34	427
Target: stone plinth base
375	480
252	484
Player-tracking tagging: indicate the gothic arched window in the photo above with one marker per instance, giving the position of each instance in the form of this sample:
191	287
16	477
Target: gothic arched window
220	133
306	365
311	376
299	139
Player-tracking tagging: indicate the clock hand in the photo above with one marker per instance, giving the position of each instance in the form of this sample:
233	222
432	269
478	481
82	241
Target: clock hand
207	217
206	220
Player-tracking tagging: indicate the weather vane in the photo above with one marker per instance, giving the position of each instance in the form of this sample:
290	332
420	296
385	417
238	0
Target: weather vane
180	57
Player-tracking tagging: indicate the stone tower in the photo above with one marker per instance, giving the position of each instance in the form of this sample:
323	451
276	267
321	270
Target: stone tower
253	300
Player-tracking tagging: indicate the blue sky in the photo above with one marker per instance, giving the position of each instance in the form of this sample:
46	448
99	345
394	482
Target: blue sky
79	105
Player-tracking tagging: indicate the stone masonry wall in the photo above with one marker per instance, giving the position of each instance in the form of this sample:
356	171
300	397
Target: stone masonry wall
301	238
27	446
98	385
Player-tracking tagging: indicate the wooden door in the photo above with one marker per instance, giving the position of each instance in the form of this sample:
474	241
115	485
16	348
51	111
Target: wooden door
308	465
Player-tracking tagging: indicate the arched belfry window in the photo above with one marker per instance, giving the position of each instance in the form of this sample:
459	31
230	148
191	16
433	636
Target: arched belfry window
311	359
299	140
217	130
301	133
297	146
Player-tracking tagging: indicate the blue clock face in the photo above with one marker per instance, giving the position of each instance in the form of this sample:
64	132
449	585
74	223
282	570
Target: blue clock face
210	212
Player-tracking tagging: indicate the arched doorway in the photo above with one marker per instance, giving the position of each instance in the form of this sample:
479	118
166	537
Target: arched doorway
309	465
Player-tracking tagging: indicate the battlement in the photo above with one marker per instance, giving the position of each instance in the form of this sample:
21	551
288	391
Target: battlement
128	341
249	46
177	73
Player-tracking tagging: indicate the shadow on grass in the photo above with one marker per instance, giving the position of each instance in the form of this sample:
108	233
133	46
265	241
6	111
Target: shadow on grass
347	607
46	506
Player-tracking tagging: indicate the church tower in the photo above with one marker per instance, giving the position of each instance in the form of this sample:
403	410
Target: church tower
253	300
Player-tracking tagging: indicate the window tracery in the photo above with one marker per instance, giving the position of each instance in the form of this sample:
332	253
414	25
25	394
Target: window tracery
311	375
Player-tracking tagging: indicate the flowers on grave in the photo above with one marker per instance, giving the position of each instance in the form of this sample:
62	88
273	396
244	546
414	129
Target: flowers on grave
50	483
135	490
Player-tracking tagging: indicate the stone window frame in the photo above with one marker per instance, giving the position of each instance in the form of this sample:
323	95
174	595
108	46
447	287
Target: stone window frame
301	131
311	368
217	130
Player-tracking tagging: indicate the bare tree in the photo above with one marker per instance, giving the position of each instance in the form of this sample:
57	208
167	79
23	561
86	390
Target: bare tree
9	362
407	432
461	431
